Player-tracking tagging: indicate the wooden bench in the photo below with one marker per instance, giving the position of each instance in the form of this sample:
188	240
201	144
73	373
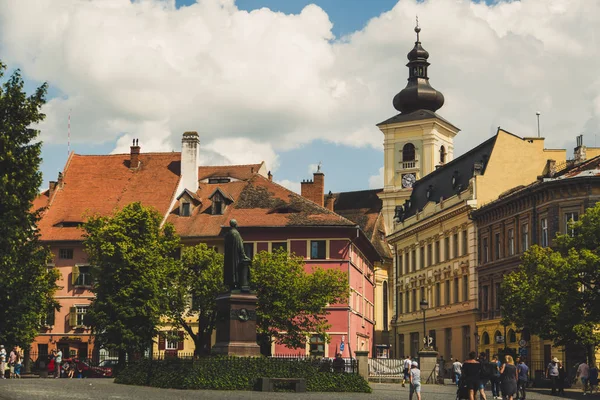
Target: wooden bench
267	384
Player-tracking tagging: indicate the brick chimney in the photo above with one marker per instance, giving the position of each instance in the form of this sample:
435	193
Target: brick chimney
189	161
329	201
270	176
52	188
580	155
134	160
315	189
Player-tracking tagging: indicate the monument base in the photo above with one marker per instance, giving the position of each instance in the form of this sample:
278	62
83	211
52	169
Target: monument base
428	364
236	325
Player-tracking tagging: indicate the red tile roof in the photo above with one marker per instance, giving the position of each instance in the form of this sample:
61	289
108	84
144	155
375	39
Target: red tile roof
240	172
257	202
104	183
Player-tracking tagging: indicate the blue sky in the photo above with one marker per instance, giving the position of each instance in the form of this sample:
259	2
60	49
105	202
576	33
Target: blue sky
299	84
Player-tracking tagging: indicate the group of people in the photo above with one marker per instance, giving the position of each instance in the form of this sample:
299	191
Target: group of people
412	375
14	362
508	379
587	374
68	368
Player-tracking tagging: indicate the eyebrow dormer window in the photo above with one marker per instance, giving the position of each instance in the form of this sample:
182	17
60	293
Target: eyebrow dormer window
186	209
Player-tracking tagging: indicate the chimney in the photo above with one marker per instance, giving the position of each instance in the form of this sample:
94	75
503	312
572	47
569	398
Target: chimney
329	202
550	169
134	160
189	161
314	190
52	188
270	176
580	155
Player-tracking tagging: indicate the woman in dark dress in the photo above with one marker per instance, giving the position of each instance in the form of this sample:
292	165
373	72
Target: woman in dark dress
471	374
508	376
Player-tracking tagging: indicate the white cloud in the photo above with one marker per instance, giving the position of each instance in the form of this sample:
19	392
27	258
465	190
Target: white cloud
255	83
376	181
291	185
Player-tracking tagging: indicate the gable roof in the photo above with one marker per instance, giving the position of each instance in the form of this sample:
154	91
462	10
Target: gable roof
364	209
101	184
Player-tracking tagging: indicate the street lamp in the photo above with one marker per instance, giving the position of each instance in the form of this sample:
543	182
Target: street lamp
424	305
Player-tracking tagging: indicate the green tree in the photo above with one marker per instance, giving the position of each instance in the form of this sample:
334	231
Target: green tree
26	285
202	281
292	303
135	270
554	292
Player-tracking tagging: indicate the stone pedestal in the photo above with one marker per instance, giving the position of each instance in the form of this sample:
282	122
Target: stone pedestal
236	325
428	362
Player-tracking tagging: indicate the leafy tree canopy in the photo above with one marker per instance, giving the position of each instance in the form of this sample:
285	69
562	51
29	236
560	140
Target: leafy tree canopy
291	302
135	268
26	285
202	281
554	292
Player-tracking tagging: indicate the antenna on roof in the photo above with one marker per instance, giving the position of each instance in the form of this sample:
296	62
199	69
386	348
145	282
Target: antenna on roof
319	166
69	134
538	121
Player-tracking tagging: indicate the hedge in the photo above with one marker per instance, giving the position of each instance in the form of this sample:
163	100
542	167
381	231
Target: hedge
237	373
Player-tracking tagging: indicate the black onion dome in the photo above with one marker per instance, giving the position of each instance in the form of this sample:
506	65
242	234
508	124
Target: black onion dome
418	93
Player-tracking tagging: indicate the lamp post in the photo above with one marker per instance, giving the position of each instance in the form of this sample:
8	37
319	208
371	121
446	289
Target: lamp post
424	305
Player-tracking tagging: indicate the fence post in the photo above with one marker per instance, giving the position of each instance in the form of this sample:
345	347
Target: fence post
362	357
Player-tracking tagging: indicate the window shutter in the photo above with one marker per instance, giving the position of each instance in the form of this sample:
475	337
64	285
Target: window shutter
73	317
180	341
161	341
74	275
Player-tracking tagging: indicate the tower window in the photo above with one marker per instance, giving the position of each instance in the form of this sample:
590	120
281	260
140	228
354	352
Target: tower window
442	155
408	152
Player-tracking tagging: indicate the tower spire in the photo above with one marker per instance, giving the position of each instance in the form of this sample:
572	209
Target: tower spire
418	93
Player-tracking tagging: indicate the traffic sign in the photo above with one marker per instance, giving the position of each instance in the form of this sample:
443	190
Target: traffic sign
341	347
522	343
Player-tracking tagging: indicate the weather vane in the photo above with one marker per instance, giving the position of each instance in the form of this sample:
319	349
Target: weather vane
417	29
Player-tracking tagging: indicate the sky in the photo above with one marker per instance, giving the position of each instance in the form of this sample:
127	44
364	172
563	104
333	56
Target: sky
294	83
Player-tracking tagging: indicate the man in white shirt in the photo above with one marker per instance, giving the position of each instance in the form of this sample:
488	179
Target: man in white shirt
457	369
57	362
406	370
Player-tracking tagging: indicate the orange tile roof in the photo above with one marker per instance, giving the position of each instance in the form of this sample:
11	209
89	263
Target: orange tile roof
240	172
258	202
101	184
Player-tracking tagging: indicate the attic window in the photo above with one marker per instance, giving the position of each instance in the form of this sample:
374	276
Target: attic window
186	209
219	180
217	206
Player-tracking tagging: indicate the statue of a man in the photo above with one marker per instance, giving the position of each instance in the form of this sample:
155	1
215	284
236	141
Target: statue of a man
236	270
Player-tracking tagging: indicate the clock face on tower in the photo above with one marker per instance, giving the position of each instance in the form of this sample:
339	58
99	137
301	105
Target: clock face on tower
408	180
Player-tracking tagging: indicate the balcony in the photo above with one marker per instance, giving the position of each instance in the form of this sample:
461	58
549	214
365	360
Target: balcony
408	165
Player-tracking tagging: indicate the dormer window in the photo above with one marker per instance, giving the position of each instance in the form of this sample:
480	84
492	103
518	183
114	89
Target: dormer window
217	206
219	180
186	209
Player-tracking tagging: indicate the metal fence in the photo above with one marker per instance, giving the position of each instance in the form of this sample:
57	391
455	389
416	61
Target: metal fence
386	368
350	364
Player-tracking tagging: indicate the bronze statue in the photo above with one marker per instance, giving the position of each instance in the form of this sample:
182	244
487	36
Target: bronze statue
236	272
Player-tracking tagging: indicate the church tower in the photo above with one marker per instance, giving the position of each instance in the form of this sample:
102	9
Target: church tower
417	140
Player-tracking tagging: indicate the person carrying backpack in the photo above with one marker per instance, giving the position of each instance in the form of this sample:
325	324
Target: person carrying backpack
485	375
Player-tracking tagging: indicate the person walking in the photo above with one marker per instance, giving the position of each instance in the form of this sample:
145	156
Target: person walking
593	378
18	365
12	361
457	371
522	373
583	373
552	374
508	377
415	381
471	374
495	378
486	374
562	377
407	365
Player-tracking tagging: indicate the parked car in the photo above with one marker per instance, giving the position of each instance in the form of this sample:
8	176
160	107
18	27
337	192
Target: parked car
89	371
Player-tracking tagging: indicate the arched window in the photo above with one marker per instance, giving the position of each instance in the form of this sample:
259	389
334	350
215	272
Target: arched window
497	337
408	152
442	154
512	336
385	306
485	338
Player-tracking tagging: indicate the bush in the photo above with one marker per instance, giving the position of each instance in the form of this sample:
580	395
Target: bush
236	373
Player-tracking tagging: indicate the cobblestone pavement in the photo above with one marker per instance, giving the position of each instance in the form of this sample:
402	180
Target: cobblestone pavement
96	389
